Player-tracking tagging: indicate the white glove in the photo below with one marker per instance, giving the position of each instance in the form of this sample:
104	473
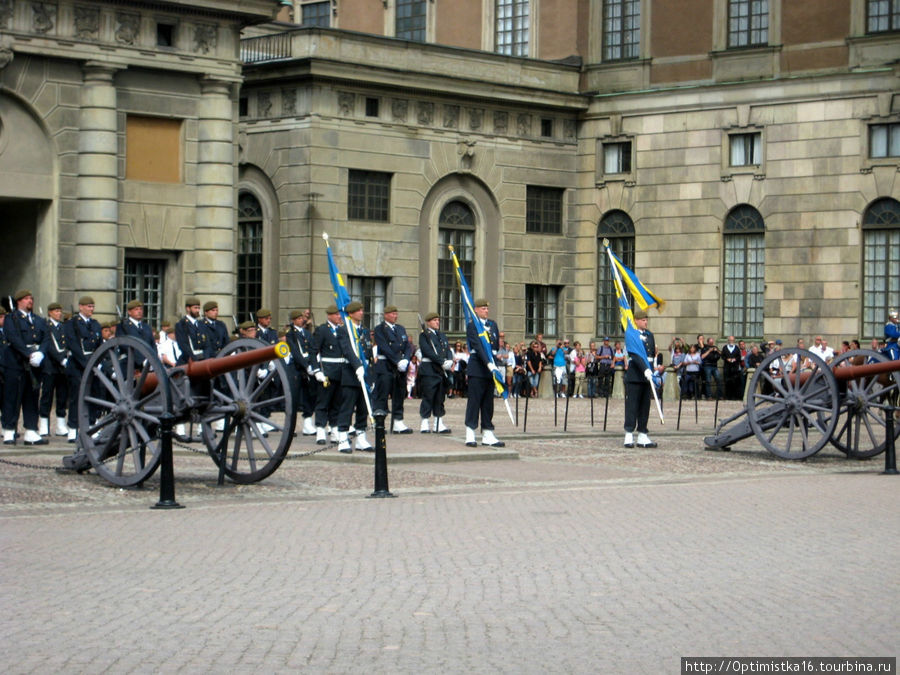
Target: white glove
447	365
261	373
649	375
65	362
402	365
493	367
309	369
35	359
361	374
320	376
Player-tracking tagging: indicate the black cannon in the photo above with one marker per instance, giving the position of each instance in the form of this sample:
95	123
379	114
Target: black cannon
241	401
795	415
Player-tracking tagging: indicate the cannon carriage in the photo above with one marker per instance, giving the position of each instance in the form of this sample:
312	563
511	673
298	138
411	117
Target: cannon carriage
794	415
240	400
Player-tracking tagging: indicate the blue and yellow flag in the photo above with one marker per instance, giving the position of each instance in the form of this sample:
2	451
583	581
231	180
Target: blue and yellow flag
472	317
342	299
643	296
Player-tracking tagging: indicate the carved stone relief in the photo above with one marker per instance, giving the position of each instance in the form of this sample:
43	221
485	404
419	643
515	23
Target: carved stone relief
399	109
6	11
128	27
523	124
476	117
288	102
569	129
87	23
451	116
426	113
43	17
263	104
501	122
346	103
205	37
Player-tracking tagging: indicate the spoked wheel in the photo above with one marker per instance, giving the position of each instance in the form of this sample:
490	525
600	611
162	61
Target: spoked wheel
250	419
793	416
861	430
123	394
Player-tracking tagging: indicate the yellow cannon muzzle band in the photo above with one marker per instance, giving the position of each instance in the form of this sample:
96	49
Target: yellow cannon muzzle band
282	349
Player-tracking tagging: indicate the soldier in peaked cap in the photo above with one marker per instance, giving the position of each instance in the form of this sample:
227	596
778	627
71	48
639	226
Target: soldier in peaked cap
353	379
190	334
482	364
83	335
25	333
217	331
326	360
4	345
638	380
434	368
133	325
299	341
394	352
264	330
53	374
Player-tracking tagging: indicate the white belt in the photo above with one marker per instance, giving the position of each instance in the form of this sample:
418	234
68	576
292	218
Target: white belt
196	351
425	359
330	359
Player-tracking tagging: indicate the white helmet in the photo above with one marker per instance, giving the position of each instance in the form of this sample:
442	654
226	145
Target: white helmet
892	314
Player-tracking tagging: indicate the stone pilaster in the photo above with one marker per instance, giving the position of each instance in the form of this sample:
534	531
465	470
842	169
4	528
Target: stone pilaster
96	234
215	226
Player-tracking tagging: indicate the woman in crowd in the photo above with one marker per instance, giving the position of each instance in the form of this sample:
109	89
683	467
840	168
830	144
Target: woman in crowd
691	372
620	358
579	361
534	364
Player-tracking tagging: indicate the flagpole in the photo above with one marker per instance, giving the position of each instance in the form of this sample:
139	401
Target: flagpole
621	289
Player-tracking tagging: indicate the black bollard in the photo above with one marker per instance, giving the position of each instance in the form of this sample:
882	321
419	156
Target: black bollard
890	456
605	410
555	401
566	415
381	475
716	413
592	412
166	468
678	423
517	410
525	418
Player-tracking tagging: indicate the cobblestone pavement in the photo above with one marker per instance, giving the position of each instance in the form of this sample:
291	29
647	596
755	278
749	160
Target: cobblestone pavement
563	553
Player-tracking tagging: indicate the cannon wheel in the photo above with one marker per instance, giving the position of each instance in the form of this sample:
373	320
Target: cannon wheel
793	417
245	402
861	429
118	427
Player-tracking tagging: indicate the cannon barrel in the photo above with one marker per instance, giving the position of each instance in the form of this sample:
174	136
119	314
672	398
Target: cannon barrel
856	372
219	365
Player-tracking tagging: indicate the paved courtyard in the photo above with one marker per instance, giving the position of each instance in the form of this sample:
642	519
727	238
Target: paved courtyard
563	553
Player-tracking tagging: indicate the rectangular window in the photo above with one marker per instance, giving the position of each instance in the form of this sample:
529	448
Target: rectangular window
316	14
249	268
543	210
410	21
748	23
372	293
144	281
745	263
165	35
617	157
621	29
881	283
546	127
884	140
542	310
449	303
746	149
512	28
153	149
368	196
371	107
882	16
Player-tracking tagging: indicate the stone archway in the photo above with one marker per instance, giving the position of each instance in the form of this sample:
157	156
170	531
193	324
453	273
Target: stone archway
474	194
27	198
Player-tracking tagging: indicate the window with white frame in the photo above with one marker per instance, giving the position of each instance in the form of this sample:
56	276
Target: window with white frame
456	227
372	293
617	157
512	27
881	260
542	310
884	139
316	14
748	23
618	228
744	273
621	29
745	149
409	23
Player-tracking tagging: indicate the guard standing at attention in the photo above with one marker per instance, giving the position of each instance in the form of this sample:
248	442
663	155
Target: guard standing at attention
83	336
434	370
264	330
353	380
326	360
134	325
190	334
638	380
25	333
299	341
53	373
480	401
216	330
394	352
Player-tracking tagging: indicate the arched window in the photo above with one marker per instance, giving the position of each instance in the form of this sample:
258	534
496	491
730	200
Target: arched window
456	227
881	264
249	256
619	229
744	273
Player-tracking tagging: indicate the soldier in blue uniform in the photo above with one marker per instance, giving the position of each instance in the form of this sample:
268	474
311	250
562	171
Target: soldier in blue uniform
216	330
480	401
264	330
394	352
25	333
638	380
300	367
892	335
434	368
83	335
191	335
53	373
326	360
353	380
134	325
4	344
